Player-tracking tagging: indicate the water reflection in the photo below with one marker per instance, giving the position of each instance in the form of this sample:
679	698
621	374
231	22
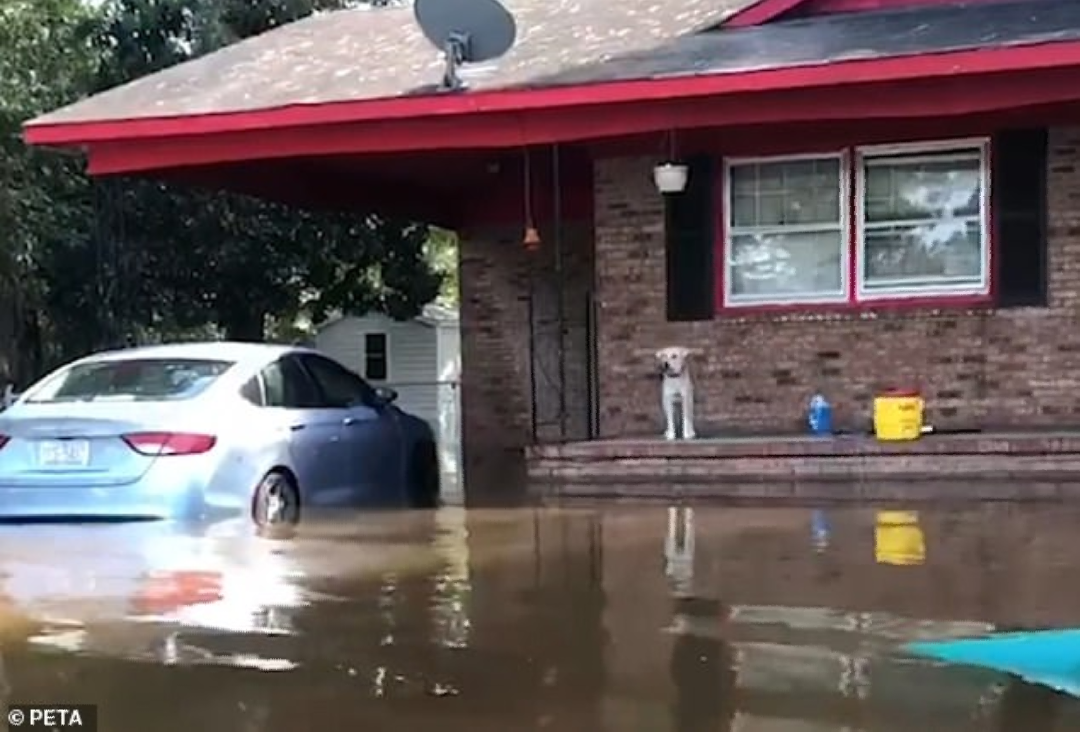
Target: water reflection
1029	707
898	538
681	618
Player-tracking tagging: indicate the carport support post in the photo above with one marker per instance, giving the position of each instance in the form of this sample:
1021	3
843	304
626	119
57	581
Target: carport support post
560	305
108	235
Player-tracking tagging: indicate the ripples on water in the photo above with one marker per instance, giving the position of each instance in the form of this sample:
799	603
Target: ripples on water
747	619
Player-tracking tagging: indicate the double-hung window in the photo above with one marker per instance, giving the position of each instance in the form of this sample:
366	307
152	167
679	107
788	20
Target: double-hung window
866	224
923	226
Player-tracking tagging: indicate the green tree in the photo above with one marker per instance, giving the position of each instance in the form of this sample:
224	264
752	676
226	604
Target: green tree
46	60
191	257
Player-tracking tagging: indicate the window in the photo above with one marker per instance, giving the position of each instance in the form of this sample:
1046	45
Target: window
340	387
131	379
922	221
252	392
288	385
920	225
376	366
787	232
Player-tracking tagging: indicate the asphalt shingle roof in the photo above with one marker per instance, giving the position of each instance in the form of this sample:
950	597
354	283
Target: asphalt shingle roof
379	53
838	38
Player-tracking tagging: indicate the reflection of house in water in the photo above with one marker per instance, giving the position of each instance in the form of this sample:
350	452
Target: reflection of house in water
702	663
771	667
679	549
450	593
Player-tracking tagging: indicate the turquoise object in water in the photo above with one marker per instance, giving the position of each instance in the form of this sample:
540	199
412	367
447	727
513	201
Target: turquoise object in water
1050	657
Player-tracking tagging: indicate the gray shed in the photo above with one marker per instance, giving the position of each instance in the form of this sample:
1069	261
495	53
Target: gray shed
419	358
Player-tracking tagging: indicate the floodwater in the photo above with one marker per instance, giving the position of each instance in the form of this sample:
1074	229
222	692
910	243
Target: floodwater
618	618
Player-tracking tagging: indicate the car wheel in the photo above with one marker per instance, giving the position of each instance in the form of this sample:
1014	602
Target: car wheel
276	500
424	476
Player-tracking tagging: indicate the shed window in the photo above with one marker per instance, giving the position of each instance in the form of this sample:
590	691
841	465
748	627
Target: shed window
376	357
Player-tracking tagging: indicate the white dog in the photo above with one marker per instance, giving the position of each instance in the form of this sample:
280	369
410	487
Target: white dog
676	386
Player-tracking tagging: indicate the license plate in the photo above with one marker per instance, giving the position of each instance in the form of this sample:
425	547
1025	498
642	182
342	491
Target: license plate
64	453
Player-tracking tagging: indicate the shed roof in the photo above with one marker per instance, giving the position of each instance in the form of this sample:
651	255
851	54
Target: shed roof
380	53
433	315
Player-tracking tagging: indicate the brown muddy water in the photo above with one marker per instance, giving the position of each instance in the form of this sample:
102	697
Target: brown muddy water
626	618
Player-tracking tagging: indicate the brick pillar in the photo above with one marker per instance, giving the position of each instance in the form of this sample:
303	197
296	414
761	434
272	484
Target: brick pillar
497	276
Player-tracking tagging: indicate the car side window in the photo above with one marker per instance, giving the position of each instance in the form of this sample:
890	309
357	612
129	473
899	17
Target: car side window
251	391
288	385
340	387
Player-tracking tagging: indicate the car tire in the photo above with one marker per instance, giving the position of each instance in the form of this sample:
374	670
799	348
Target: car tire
276	500
424	476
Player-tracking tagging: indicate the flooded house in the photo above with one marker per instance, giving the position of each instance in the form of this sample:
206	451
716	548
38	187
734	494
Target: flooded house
834	196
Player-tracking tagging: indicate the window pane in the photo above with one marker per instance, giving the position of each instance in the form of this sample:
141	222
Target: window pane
921	187
785	192
288	385
252	392
375	343
942	252
132	379
922	220
375	356
341	387
786	265
744	210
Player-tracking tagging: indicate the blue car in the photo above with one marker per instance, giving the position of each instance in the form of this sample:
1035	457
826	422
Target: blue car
186	430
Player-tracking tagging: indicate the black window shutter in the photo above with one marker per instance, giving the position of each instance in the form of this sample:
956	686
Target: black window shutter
1020	217
689	231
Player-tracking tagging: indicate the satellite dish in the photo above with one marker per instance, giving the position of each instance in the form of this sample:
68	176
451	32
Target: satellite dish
467	31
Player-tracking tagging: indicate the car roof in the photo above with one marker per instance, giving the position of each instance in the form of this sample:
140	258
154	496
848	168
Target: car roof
237	351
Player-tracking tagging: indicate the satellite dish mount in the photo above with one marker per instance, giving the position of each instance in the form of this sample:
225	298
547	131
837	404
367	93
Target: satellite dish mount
456	51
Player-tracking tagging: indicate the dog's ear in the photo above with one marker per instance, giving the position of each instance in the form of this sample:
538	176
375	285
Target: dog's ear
695	351
662	354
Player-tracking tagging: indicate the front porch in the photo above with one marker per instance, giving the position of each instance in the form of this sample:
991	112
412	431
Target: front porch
1036	465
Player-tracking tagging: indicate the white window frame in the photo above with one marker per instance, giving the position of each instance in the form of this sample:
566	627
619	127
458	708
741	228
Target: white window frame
731	300
962	148
386	340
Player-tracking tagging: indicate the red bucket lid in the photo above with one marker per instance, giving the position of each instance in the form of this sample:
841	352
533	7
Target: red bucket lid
901	392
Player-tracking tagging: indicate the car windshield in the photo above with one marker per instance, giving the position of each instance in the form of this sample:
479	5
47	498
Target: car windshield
137	379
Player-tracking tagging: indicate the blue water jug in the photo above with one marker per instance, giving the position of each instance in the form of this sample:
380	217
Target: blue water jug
820	416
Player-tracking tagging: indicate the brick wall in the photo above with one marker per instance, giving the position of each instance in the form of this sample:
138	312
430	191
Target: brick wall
1016	367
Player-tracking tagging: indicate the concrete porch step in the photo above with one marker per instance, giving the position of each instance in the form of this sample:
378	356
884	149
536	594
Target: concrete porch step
996	466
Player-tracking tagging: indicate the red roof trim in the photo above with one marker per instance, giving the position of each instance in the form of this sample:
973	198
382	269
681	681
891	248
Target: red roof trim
760	13
521	101
897	99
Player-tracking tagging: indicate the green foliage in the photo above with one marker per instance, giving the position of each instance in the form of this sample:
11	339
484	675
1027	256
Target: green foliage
135	259
442	254
45	61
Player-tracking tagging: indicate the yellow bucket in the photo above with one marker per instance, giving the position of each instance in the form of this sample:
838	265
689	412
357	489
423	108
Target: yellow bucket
898	539
898	416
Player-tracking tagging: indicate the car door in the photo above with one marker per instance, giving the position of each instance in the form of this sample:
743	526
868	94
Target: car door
316	435
372	431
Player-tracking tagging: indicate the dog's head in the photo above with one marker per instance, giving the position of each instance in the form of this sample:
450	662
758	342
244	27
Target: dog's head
673	360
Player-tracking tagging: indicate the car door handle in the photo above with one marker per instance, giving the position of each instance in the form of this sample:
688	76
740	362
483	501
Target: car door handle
350	421
297	427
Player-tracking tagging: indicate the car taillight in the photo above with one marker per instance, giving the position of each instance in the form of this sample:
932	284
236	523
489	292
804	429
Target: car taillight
169	443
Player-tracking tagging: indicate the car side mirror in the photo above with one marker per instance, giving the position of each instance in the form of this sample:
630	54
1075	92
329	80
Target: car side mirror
385	394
